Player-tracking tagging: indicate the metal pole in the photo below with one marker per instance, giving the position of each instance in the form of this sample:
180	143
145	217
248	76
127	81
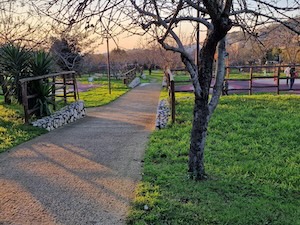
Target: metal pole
108	66
198	37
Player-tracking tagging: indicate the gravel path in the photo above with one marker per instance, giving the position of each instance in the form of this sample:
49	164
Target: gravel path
83	173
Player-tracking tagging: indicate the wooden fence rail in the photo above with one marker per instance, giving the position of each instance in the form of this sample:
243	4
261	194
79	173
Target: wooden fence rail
59	82
277	71
251	85
129	76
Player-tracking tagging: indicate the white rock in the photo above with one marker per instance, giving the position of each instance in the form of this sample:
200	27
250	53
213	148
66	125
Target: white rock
66	115
136	81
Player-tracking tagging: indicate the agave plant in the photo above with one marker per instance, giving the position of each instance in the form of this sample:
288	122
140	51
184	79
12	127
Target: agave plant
41	64
14	61
43	101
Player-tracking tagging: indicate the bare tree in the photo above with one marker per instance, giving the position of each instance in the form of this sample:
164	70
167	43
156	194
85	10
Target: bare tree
156	55
19	25
161	19
66	52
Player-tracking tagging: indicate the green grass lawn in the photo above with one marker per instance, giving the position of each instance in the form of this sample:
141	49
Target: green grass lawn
181	78
252	158
246	75
156	76
12	128
100	96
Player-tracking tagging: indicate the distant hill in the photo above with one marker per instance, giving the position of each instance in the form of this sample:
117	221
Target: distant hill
274	42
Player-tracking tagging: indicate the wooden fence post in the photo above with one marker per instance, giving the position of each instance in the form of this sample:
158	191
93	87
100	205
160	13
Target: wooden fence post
168	78
227	71
25	101
172	94
278	79
251	77
173	100
53	92
65	88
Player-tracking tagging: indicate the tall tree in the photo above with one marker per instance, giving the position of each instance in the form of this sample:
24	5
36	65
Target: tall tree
66	52
19	25
161	19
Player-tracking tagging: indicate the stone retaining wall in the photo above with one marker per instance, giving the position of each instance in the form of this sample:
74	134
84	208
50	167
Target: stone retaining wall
136	81
67	114
162	115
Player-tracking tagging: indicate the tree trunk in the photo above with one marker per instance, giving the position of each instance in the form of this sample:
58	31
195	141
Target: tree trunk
5	90
201	107
201	114
198	138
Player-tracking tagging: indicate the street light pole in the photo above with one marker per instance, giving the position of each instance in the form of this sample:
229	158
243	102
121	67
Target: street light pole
198	37
108	66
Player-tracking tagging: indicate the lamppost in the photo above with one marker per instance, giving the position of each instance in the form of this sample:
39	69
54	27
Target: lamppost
108	65
198	36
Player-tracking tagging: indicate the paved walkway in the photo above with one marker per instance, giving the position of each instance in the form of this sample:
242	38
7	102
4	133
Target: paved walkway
83	173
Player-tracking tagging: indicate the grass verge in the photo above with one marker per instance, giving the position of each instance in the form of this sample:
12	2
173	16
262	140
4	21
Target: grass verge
252	158
12	128
99	96
156	76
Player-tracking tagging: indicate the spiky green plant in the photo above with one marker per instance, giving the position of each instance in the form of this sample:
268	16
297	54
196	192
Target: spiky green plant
40	63
14	61
43	101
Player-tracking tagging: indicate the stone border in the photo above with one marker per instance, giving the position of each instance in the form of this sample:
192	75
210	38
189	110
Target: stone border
136	82
162	115
67	114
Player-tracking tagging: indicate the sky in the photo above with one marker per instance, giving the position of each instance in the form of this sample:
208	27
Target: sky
126	42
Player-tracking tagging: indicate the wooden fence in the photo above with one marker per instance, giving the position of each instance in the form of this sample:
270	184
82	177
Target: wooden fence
276	70
129	76
63	86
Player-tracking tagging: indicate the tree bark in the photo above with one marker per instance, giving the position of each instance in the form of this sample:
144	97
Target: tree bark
201	107
201	111
198	138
